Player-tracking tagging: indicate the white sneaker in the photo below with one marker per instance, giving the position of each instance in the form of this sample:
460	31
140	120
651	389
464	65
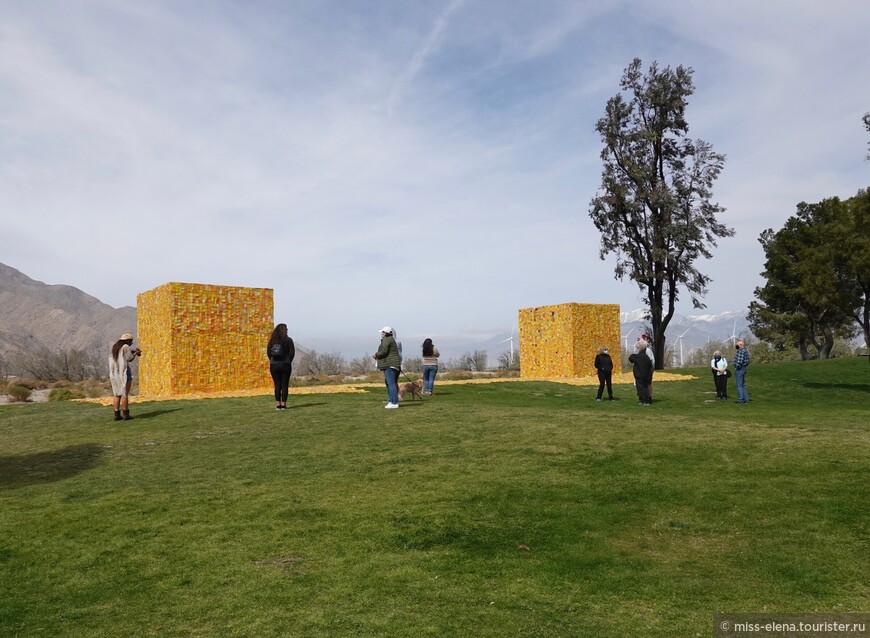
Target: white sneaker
391	406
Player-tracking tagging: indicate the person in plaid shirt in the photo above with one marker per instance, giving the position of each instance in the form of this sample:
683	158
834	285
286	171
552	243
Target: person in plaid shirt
741	362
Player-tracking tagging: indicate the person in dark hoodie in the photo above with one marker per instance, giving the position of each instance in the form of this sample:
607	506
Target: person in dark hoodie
280	351
642	368
604	365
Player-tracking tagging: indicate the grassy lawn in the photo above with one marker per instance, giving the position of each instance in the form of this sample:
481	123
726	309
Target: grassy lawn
512	509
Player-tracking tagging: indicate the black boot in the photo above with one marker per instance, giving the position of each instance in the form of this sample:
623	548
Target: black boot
127	416
117	415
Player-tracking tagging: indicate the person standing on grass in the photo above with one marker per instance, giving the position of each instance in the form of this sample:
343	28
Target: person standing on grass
280	351
642	368
652	358
719	366
604	365
389	360
121	375
430	365
741	362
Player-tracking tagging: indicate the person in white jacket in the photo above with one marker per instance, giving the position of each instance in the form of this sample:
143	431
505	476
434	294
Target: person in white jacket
121	376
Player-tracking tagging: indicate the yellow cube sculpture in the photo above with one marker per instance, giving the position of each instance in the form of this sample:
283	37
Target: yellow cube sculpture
203	338
562	340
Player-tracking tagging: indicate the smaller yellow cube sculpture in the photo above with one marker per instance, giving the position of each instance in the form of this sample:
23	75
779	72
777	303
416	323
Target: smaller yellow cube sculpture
562	340
203	338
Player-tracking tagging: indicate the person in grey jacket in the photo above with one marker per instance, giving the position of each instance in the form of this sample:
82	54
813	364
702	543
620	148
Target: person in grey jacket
389	360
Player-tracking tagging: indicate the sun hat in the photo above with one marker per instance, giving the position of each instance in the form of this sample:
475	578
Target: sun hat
126	336
387	329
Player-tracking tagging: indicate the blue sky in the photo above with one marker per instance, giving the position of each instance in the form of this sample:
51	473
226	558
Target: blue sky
423	165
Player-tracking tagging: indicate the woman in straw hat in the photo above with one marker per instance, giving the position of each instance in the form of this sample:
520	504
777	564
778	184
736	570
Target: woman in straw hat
121	376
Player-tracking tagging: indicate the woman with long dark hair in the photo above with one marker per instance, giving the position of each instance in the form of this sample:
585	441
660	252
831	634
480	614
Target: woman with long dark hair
430	365
121	376
280	351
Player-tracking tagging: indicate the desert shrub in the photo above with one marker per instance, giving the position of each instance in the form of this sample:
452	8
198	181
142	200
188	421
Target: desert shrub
18	392
30	384
459	375
360	366
66	393
412	364
92	391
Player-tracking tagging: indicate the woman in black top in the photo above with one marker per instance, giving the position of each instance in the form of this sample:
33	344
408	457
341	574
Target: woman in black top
604	365
280	351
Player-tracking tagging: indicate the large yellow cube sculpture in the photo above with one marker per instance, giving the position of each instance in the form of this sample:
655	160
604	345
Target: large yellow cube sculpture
562	340
203	338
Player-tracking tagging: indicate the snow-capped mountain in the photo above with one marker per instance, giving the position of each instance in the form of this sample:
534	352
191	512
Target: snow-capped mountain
692	330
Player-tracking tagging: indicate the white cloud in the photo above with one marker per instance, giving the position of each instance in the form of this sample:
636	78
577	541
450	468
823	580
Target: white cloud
424	166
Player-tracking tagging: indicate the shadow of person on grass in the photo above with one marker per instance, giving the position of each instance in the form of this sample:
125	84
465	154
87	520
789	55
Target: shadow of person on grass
860	387
154	413
46	467
305	405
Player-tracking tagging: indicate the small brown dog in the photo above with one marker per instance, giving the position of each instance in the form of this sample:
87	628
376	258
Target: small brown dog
415	388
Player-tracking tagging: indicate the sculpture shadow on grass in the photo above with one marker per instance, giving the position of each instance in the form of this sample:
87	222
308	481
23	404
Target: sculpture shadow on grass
47	467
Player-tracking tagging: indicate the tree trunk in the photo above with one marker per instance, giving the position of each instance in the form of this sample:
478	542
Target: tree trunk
827	344
805	353
659	321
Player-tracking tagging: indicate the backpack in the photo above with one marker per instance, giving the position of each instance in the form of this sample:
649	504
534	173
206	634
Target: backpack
276	351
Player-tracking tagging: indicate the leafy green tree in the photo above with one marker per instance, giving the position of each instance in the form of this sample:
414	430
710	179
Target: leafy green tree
654	208
818	277
848	243
866	119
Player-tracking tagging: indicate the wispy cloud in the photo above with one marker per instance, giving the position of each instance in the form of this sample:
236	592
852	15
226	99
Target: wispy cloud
421	55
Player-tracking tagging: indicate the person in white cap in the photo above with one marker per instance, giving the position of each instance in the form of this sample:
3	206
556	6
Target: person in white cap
389	359
121	376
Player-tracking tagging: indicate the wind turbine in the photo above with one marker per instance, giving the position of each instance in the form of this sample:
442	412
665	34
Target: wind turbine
511	339
680	339
626	335
733	336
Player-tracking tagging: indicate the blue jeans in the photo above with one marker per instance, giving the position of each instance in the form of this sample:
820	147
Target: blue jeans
429	373
391	378
740	380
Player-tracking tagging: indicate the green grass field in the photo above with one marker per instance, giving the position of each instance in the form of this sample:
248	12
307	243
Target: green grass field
508	509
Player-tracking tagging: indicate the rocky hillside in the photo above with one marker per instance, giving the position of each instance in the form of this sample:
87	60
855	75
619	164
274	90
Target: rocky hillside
37	317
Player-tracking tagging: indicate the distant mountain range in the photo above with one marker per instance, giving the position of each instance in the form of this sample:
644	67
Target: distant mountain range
695	330
36	317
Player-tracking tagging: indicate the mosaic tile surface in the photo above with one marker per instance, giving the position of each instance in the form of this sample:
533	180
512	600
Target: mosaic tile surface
562	340
203	338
